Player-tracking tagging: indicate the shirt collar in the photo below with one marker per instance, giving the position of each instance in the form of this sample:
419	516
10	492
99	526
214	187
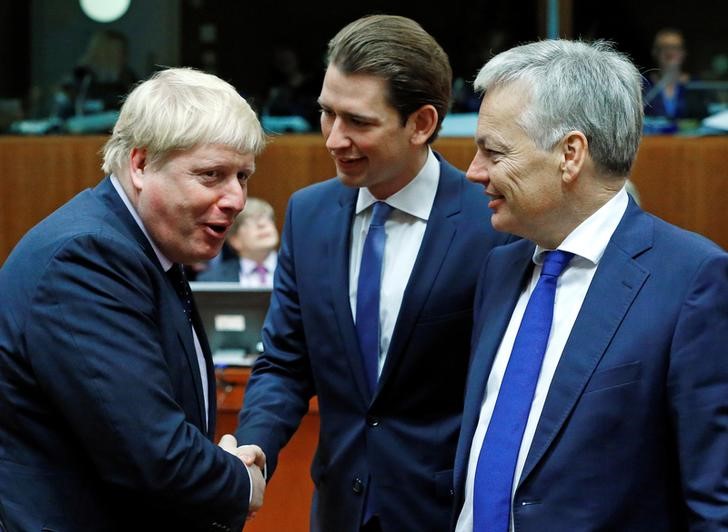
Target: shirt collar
164	261
248	266
416	198
590	238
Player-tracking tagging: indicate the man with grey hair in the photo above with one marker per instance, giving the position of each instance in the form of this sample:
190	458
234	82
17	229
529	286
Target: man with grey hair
108	392
597	395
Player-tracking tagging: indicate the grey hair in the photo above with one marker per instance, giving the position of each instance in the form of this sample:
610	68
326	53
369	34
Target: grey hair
575	86
178	109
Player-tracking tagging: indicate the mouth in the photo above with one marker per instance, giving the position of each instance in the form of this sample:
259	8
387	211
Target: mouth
348	161
218	229
495	199
492	193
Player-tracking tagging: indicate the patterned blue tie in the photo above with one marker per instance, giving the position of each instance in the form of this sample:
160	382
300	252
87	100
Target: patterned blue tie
367	293
497	460
179	280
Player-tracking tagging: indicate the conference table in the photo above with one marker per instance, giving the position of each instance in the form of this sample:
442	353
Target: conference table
683	180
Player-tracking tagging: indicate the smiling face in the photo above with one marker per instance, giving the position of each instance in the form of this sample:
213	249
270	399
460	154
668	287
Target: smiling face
365	136
189	201
522	180
255	237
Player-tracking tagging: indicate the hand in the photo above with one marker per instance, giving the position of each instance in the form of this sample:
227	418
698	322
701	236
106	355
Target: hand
254	459
258	490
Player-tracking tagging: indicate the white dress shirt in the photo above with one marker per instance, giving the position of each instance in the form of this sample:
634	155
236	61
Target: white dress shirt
166	265
587	242
405	229
250	278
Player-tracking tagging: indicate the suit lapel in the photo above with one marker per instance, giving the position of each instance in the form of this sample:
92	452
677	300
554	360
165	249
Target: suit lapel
210	369
616	283
339	251
439	233
503	285
108	195
187	341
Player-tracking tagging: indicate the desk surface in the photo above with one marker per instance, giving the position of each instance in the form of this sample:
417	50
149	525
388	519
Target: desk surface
683	180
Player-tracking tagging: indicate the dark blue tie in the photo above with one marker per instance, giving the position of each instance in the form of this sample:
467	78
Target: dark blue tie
497	460
177	275
367	293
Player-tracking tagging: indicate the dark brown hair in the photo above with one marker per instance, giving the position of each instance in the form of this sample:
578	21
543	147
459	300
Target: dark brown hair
398	50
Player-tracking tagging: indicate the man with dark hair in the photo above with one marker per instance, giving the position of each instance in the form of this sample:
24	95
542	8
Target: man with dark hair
372	301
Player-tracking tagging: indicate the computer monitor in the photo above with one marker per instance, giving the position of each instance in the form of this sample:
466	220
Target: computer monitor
233	318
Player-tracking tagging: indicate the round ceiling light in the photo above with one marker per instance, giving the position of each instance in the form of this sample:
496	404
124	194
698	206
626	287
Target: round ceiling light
104	10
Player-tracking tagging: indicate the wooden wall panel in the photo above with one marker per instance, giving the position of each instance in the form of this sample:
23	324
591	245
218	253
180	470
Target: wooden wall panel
683	180
288	495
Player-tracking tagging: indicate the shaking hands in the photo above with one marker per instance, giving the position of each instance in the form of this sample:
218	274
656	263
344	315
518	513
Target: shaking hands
254	459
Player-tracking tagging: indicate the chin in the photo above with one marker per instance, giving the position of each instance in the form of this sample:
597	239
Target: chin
501	224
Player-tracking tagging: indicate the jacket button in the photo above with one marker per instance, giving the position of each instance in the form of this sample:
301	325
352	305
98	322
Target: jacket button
357	486
372	421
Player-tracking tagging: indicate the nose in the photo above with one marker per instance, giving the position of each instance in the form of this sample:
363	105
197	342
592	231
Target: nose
478	169
234	195
336	135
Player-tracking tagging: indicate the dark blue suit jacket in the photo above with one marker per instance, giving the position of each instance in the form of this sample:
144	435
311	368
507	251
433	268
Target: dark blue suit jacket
634	432
225	271
101	405
404	437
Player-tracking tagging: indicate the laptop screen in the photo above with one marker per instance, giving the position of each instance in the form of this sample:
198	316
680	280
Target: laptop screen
233	317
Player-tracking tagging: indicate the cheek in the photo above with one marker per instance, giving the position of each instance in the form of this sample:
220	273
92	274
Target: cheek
506	175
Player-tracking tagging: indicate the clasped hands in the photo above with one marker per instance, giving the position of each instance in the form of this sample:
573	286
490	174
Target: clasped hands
254	459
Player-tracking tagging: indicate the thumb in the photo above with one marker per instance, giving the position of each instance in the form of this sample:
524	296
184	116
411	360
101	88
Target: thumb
229	443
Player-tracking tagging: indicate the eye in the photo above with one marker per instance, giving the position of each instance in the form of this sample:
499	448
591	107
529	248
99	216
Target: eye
243	177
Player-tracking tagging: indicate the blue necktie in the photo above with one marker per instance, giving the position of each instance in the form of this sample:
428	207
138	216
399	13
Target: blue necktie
367	293
497	460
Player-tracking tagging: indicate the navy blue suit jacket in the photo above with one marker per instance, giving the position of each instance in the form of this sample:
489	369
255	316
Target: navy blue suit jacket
101	407
225	271
634	432
403	437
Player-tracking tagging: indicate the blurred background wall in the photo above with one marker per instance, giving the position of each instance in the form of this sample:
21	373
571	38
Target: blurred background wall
41	40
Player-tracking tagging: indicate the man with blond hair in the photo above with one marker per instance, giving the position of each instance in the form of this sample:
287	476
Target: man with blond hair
108	393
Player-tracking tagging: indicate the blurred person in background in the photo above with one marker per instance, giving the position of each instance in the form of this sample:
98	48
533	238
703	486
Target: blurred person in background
254	237
665	89
100	80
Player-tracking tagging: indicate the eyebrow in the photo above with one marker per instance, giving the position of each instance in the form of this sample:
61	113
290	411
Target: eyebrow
491	141
347	114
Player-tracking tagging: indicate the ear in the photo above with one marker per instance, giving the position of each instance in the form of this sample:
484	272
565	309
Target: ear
422	123
574	152
137	165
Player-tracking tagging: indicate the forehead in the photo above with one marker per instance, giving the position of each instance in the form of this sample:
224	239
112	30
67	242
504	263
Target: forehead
500	110
353	92
669	39
215	154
